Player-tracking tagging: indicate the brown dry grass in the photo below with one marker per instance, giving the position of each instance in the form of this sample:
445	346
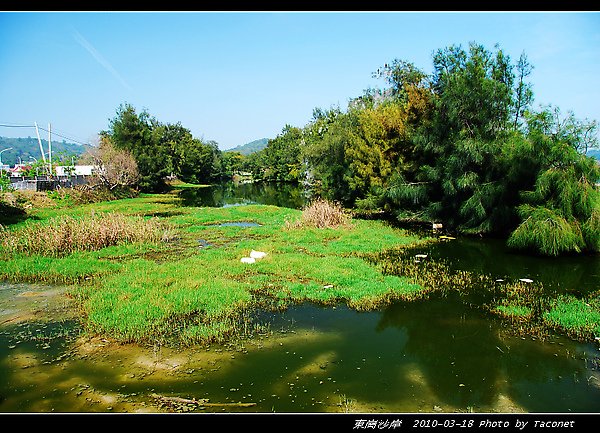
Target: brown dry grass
321	214
64	235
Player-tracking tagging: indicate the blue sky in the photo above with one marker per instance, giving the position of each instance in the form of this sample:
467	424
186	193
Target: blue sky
236	77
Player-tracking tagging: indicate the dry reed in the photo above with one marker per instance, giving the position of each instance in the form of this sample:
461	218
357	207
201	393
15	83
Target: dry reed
64	235
321	214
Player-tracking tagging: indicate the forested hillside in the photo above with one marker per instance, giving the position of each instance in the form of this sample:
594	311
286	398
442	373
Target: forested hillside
27	148
248	148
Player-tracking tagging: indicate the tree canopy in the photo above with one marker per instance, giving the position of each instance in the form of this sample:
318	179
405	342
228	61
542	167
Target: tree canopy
162	149
462	146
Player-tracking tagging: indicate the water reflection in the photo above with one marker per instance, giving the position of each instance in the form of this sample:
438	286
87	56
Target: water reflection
468	361
234	194
578	275
423	356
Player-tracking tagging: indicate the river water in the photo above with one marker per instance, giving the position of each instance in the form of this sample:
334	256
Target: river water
437	355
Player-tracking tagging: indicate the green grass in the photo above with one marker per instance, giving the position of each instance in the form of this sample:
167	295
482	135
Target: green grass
181	184
575	316
149	290
516	311
194	288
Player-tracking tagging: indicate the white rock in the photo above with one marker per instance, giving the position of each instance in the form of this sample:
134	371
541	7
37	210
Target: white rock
526	280
248	260
257	254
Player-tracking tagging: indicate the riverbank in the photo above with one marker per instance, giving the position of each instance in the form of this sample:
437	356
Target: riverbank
191	286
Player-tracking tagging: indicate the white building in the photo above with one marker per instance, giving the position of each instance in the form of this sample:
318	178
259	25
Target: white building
80	170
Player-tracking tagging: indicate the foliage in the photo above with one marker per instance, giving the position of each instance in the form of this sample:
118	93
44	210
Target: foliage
560	211
280	158
5	184
545	231
233	163
323	152
463	147
162	150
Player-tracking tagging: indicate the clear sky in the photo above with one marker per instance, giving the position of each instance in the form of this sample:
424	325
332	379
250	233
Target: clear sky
237	77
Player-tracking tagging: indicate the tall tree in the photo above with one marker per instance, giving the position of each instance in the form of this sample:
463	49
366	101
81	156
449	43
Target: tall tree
474	99
523	90
323	152
561	210
140	134
282	156
163	149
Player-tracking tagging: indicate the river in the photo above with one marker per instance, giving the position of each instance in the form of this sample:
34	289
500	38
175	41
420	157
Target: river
435	356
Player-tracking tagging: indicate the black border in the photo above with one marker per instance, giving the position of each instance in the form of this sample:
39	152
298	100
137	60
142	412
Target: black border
352	422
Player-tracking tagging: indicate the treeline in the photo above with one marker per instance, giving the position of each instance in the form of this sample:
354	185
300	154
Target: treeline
461	146
27	150
138	150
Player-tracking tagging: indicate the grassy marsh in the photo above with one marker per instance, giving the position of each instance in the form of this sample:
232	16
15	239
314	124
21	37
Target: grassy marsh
179	276
525	305
195	288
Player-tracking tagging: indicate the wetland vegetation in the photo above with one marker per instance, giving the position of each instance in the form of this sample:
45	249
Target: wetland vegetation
387	276
282	331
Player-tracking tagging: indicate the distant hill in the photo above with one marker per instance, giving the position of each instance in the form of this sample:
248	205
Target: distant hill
248	148
28	148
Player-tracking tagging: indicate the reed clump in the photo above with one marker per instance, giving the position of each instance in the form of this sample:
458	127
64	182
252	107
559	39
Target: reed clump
64	235
321	213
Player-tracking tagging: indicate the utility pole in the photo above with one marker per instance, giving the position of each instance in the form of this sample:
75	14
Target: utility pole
50	147
40	142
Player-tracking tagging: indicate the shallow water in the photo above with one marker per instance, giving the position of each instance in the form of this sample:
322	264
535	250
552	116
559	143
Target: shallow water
577	275
236	194
431	356
437	355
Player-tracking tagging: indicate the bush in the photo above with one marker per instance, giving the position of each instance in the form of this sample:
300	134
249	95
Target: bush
591	231
322	214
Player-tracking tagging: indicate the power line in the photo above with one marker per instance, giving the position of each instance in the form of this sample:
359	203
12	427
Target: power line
44	129
17	126
66	138
67	133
